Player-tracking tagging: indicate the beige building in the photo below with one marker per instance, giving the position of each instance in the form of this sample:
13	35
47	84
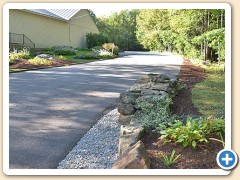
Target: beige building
50	27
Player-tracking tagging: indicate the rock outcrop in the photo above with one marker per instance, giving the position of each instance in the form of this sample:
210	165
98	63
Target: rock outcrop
133	158
147	89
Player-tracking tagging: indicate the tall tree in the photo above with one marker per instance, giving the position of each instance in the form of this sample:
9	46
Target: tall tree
193	33
120	29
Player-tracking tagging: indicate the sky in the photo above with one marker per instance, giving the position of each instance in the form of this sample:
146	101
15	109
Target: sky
105	12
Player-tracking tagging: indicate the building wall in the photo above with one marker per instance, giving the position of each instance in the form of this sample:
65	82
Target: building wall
47	32
81	24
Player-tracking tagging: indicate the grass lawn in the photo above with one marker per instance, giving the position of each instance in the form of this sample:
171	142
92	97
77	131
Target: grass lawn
209	95
16	70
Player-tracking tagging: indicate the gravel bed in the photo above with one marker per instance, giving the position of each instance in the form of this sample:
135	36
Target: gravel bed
98	149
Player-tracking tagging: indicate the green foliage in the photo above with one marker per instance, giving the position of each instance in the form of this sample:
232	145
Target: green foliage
110	47
82	55
168	161
152	26
193	132
87	56
64	50
11	61
95	39
83	49
154	111
120	29
183	31
213	125
48	50
40	61
222	140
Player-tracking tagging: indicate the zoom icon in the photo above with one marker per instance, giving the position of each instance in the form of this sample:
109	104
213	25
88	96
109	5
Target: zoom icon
227	159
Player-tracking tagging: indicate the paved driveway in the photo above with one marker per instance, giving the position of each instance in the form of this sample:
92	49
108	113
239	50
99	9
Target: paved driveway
51	109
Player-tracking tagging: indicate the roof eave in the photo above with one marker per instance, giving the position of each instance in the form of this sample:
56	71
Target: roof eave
45	15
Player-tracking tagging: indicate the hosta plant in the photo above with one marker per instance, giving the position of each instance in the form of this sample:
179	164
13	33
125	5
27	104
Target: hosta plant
194	131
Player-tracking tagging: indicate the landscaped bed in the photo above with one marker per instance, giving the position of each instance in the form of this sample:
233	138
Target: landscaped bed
23	59
203	156
23	64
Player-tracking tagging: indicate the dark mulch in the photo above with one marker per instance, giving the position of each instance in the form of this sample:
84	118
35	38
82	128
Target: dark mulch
201	157
189	75
24	64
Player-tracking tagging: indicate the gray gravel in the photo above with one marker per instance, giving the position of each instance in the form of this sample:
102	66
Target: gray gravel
98	149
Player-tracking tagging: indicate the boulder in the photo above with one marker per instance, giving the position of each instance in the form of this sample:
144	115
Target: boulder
139	87
159	78
143	80
126	109
131	129
124	119
153	92
129	97
135	157
173	83
160	86
129	135
45	56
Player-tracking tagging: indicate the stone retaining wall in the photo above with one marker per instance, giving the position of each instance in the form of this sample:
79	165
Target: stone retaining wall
132	154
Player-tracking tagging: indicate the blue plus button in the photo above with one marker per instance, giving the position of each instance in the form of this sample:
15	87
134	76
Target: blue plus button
227	159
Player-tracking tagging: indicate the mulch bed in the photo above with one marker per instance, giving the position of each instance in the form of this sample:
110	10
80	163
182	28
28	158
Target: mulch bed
201	157
189	75
24	64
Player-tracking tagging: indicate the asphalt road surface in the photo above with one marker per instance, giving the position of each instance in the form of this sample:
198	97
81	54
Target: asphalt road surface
52	109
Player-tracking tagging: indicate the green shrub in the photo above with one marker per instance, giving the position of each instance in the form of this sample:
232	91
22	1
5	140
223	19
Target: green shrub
64	50
154	111
46	50
95	39
194	131
40	61
83	49
212	125
88	56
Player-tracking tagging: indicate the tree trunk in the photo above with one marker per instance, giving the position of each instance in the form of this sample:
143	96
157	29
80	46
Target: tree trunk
218	52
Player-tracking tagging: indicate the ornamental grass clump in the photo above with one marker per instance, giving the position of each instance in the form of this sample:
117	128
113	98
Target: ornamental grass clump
168	161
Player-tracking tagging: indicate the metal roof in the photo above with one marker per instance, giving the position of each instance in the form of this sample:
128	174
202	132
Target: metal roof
63	14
